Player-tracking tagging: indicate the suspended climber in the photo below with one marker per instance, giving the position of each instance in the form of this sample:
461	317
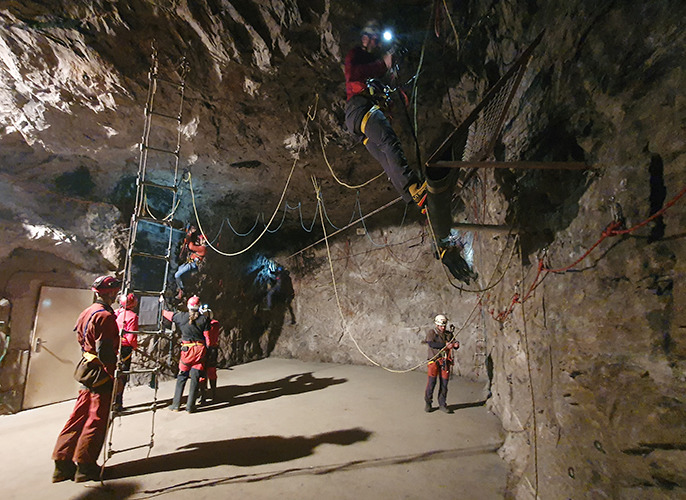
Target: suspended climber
365	117
192	255
281	290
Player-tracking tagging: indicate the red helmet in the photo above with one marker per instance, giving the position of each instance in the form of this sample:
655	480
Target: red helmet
193	303
106	284
129	301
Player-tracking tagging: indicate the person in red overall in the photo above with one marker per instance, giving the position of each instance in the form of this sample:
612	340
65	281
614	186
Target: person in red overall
80	441
367	120
127	321
194	250
441	347
212	342
194	328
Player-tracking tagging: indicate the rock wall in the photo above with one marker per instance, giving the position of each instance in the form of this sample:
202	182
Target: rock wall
585	369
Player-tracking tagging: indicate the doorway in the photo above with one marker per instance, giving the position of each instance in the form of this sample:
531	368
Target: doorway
54	350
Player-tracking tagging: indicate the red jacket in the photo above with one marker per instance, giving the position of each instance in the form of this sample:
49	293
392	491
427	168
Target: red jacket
98	333
127	320
359	66
195	252
212	335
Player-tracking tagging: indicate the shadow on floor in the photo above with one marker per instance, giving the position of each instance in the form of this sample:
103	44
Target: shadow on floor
328	469
462	406
243	452
234	395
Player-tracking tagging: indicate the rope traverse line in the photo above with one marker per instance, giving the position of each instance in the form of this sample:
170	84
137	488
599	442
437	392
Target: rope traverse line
477	304
311	112
392	202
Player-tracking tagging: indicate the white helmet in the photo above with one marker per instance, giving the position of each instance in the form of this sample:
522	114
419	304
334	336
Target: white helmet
441	320
206	311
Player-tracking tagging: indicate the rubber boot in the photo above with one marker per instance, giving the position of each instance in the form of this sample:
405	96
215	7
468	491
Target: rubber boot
87	472
418	193
64	471
457	266
213	385
192	393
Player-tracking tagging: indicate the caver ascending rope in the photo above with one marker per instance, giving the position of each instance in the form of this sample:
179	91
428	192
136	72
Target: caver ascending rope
365	118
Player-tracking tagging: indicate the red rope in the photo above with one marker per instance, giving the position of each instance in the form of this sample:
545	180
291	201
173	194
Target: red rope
611	230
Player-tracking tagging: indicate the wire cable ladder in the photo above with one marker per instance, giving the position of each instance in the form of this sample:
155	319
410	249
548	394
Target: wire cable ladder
154	351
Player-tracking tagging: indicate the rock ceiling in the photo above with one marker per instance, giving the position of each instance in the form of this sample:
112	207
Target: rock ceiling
75	82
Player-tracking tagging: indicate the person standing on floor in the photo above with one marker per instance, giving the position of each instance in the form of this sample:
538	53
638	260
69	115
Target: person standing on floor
212	342
194	328
127	321
366	119
441	345
81	440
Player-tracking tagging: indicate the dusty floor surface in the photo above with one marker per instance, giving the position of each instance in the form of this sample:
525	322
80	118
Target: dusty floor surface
284	429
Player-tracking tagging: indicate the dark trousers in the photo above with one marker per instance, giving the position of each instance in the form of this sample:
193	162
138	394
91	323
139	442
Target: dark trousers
181	378
84	433
126	351
434	370
383	144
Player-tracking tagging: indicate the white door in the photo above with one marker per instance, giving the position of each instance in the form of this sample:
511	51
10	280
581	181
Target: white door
54	348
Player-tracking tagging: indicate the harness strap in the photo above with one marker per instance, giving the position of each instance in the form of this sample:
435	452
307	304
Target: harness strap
366	116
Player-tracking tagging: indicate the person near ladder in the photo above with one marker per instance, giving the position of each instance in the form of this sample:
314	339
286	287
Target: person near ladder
441	346
192	253
81	440
127	321
212	342
366	119
194	328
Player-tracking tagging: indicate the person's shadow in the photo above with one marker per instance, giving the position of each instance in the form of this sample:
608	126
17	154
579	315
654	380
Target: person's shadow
234	395
242	452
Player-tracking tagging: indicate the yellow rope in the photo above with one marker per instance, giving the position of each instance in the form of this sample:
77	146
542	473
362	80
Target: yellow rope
321	142
311	113
457	40
340	308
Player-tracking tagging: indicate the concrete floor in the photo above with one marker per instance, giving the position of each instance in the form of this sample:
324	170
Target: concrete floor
286	429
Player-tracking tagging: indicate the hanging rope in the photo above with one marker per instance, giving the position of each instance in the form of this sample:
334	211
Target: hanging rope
311	111
611	230
326	160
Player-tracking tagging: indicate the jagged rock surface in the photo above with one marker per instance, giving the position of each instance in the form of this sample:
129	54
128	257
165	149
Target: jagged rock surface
587	375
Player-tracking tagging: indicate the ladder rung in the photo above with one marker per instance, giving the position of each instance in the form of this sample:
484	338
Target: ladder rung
146	293
152	148
155	113
153	332
151	220
151	255
128	372
168	82
161	186
149	445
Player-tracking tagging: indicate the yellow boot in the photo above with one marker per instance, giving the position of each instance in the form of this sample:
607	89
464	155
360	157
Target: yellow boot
418	193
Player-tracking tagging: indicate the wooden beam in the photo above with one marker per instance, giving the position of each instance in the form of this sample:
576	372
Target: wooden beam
523	165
